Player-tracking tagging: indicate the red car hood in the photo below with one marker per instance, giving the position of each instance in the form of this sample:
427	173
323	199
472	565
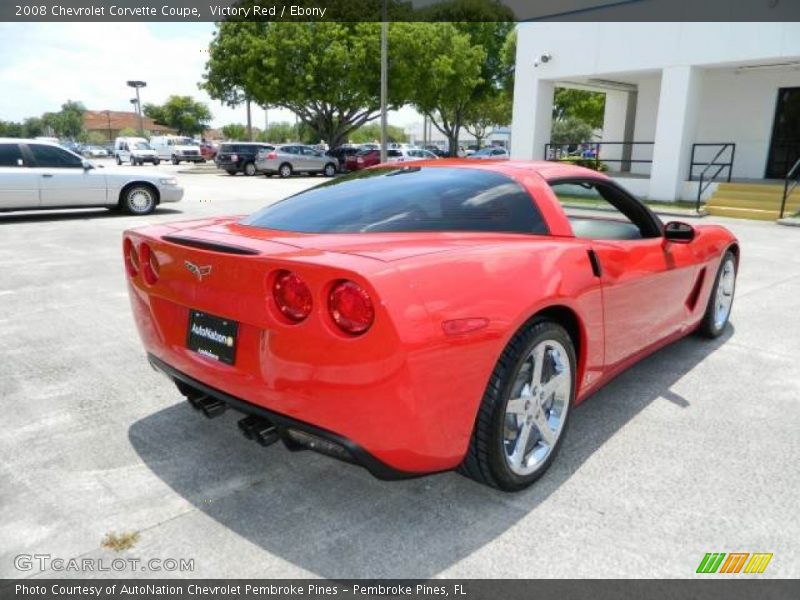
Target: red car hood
385	247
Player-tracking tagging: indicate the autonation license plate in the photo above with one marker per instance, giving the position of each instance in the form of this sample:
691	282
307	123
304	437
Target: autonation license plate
212	336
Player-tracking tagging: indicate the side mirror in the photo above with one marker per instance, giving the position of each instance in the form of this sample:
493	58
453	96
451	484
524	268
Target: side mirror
87	165
678	232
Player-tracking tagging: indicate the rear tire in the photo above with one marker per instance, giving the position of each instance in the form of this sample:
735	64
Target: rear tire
156	162
231	172
139	199
119	160
175	160
720	301
531	388
249	169
285	170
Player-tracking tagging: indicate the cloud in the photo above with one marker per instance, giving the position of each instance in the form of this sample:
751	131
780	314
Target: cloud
44	64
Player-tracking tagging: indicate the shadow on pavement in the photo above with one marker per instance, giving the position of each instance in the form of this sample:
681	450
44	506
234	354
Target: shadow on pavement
336	521
75	215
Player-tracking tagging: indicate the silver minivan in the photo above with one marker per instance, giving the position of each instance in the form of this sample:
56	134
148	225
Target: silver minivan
287	159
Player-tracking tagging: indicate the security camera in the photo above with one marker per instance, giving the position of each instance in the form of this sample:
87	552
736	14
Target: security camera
545	58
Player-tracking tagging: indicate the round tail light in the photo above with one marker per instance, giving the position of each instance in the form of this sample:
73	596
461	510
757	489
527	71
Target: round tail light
292	296
351	307
150	266
272	155
131	258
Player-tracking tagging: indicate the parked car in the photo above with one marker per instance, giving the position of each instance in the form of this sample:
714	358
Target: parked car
341	153
93	152
408	155
135	150
176	149
240	157
436	150
424	318
36	174
209	150
366	157
288	159
490	153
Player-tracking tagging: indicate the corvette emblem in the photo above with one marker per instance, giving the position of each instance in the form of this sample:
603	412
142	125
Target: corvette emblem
199	272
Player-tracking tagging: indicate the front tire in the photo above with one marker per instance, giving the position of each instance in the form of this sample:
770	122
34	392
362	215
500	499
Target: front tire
249	169
330	170
175	160
525	409
231	172
285	170
139	199
156	162
119	160
720	302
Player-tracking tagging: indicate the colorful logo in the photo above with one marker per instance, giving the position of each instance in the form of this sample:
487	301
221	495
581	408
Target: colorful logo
734	562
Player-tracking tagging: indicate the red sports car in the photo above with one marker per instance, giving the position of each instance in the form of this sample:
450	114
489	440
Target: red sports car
412	319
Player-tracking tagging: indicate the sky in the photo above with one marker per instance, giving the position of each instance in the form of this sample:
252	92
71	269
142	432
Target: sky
44	64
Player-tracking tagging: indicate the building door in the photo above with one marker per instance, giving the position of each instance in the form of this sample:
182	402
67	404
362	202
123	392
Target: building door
784	149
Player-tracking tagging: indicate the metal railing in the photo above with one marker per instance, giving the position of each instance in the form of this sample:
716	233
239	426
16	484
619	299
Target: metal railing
593	152
790	183
717	161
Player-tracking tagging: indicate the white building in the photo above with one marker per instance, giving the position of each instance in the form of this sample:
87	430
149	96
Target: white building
669	87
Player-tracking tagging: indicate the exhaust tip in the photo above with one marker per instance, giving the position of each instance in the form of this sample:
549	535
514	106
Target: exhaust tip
210	407
260	430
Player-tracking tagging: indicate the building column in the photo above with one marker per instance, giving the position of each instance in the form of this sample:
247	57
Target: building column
675	131
615	128
533	118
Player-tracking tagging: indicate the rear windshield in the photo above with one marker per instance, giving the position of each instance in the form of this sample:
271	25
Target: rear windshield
407	199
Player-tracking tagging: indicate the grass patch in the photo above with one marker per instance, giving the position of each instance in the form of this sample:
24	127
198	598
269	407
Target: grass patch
117	542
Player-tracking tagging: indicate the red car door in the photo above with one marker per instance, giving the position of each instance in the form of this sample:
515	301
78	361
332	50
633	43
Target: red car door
645	287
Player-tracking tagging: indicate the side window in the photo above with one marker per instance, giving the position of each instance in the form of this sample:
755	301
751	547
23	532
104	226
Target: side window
52	157
394	153
600	212
11	156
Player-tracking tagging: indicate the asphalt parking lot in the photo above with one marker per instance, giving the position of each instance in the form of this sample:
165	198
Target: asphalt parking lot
692	451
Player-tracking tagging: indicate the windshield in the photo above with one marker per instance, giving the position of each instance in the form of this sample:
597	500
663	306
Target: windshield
484	152
141	146
407	199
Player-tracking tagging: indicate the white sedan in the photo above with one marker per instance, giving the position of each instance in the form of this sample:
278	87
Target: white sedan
408	155
37	174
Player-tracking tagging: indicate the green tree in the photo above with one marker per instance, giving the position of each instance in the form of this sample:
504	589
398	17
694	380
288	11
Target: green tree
234	131
11	129
182	113
96	138
571	130
448	70
279	132
579	104
487	112
328	74
128	132
68	122
32	127
372	131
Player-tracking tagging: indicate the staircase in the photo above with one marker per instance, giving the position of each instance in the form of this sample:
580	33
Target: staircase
759	201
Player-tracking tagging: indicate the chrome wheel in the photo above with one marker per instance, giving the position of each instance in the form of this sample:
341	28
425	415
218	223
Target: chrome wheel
249	169
285	171
330	170
140	200
537	408
724	293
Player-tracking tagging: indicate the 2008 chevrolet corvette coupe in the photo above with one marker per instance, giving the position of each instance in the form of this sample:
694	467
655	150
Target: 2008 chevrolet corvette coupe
423	318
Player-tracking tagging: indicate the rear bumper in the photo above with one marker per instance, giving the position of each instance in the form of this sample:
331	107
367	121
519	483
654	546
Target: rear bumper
354	453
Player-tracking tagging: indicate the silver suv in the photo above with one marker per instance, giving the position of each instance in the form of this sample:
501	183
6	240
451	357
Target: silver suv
287	159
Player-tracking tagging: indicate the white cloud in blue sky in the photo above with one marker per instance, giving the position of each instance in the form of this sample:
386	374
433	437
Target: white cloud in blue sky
44	64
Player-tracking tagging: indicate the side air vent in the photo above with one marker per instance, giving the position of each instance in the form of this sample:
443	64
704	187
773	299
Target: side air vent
691	300
207	245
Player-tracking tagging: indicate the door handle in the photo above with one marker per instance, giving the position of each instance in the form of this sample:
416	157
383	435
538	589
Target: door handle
47	174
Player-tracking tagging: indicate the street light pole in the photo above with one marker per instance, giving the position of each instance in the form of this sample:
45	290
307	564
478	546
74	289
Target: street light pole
137	85
384	77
